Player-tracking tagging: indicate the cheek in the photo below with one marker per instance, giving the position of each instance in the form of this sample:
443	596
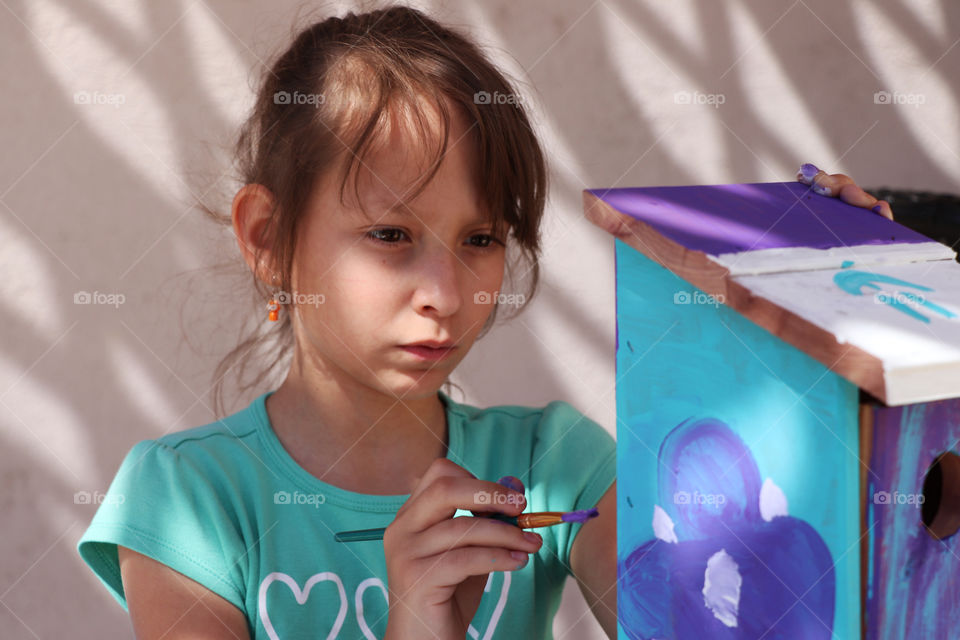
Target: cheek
482	290
351	274
355	290
491	276
358	300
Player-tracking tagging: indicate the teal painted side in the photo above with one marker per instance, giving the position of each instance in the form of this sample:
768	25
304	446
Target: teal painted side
678	357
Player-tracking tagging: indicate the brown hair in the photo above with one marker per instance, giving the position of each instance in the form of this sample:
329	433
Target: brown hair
325	101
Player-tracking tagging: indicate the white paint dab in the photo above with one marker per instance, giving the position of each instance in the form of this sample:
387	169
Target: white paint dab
721	587
773	502
663	525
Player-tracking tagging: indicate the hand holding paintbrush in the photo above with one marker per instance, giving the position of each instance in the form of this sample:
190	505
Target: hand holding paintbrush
438	564
523	520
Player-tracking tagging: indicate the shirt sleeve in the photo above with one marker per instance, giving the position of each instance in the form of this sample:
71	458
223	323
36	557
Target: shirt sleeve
574	463
163	505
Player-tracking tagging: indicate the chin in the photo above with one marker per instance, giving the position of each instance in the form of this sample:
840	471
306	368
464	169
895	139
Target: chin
417	384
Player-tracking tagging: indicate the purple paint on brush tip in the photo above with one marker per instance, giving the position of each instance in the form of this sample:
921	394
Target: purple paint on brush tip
580	516
809	171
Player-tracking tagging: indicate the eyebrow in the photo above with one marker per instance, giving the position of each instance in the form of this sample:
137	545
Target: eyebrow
405	210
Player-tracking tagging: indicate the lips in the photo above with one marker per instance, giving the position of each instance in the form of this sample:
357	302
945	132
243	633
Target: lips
430	350
433	344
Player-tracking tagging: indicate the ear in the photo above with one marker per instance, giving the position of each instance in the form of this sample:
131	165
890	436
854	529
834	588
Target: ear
252	208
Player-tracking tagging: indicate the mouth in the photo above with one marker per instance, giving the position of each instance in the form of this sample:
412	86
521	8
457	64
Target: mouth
430	350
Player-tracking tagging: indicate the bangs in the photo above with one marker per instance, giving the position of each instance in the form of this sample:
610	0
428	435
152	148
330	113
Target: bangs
414	119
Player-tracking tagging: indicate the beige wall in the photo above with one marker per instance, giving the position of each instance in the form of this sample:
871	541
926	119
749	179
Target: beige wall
95	197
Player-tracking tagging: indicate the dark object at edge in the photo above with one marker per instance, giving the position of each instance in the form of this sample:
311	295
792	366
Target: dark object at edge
935	215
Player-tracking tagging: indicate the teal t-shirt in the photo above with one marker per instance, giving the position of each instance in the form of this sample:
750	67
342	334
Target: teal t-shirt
227	506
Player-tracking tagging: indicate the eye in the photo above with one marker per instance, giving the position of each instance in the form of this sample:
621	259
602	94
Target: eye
386	236
485	241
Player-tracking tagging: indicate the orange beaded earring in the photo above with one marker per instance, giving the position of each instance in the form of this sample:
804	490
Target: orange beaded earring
273	307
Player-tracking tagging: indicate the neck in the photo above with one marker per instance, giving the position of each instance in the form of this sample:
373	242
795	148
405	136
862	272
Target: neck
335	426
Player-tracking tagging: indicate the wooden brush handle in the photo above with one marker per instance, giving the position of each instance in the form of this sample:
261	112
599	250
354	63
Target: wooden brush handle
540	519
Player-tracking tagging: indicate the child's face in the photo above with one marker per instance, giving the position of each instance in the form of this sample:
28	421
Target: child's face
391	278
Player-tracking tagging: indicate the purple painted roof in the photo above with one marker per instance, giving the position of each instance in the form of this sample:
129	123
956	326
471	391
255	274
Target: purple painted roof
730	218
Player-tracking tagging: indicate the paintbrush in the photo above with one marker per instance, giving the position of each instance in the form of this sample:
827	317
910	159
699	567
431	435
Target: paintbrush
524	521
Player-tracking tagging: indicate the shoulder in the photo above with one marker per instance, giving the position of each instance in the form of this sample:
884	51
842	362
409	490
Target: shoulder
232	435
221	453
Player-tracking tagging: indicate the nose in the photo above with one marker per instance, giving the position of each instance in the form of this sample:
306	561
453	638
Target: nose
437	286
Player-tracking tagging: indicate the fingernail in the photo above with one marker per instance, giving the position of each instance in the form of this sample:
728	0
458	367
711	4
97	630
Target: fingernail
511	482
531	536
809	171
877	209
520	557
822	190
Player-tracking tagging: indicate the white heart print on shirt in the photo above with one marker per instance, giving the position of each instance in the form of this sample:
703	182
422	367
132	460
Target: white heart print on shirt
301	596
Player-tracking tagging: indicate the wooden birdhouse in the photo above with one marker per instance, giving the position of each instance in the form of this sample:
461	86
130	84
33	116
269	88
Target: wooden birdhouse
788	416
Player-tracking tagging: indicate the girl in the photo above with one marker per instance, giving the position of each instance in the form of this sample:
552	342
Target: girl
387	167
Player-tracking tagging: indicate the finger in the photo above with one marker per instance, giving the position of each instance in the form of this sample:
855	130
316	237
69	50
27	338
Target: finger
853	194
821	182
453	567
511	482
883	208
850	192
439	468
827	184
465	531
807	173
846	189
441	499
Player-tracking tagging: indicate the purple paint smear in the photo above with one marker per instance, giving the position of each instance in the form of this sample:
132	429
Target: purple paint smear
580	516
511	482
809	171
730	218
788	586
913	588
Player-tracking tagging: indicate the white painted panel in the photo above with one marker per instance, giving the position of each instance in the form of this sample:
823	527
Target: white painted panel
907	316
805	258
